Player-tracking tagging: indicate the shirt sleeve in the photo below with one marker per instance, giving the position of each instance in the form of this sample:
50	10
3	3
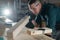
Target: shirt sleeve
52	17
32	17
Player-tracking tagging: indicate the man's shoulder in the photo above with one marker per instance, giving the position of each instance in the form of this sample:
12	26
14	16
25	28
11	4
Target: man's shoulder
49	5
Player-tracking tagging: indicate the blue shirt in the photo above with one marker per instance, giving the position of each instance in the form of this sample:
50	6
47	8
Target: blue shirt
51	12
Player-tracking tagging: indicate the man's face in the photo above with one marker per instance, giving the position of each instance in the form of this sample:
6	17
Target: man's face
35	8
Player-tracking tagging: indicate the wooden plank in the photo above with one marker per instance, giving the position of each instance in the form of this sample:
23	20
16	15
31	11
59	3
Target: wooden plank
25	36
42	37
40	31
15	30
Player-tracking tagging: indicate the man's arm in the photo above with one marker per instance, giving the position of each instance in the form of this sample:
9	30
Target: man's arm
52	20
30	24
52	17
35	24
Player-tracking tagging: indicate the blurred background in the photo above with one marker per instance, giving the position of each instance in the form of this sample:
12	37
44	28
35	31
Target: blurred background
16	9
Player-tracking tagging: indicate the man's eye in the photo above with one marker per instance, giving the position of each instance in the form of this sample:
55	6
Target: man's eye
37	4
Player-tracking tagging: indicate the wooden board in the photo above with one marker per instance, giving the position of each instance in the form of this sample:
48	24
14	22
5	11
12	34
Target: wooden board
25	36
41	31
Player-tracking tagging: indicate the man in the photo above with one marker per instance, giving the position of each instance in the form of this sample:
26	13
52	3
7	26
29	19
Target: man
43	12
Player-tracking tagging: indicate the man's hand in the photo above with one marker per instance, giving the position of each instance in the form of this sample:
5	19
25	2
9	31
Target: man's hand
36	28
35	24
43	24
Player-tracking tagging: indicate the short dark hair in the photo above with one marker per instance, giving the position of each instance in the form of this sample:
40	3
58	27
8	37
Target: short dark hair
32	1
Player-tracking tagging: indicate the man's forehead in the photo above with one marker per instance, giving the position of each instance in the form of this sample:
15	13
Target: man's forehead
37	2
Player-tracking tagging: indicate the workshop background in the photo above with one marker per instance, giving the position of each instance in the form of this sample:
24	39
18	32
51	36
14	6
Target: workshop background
19	7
